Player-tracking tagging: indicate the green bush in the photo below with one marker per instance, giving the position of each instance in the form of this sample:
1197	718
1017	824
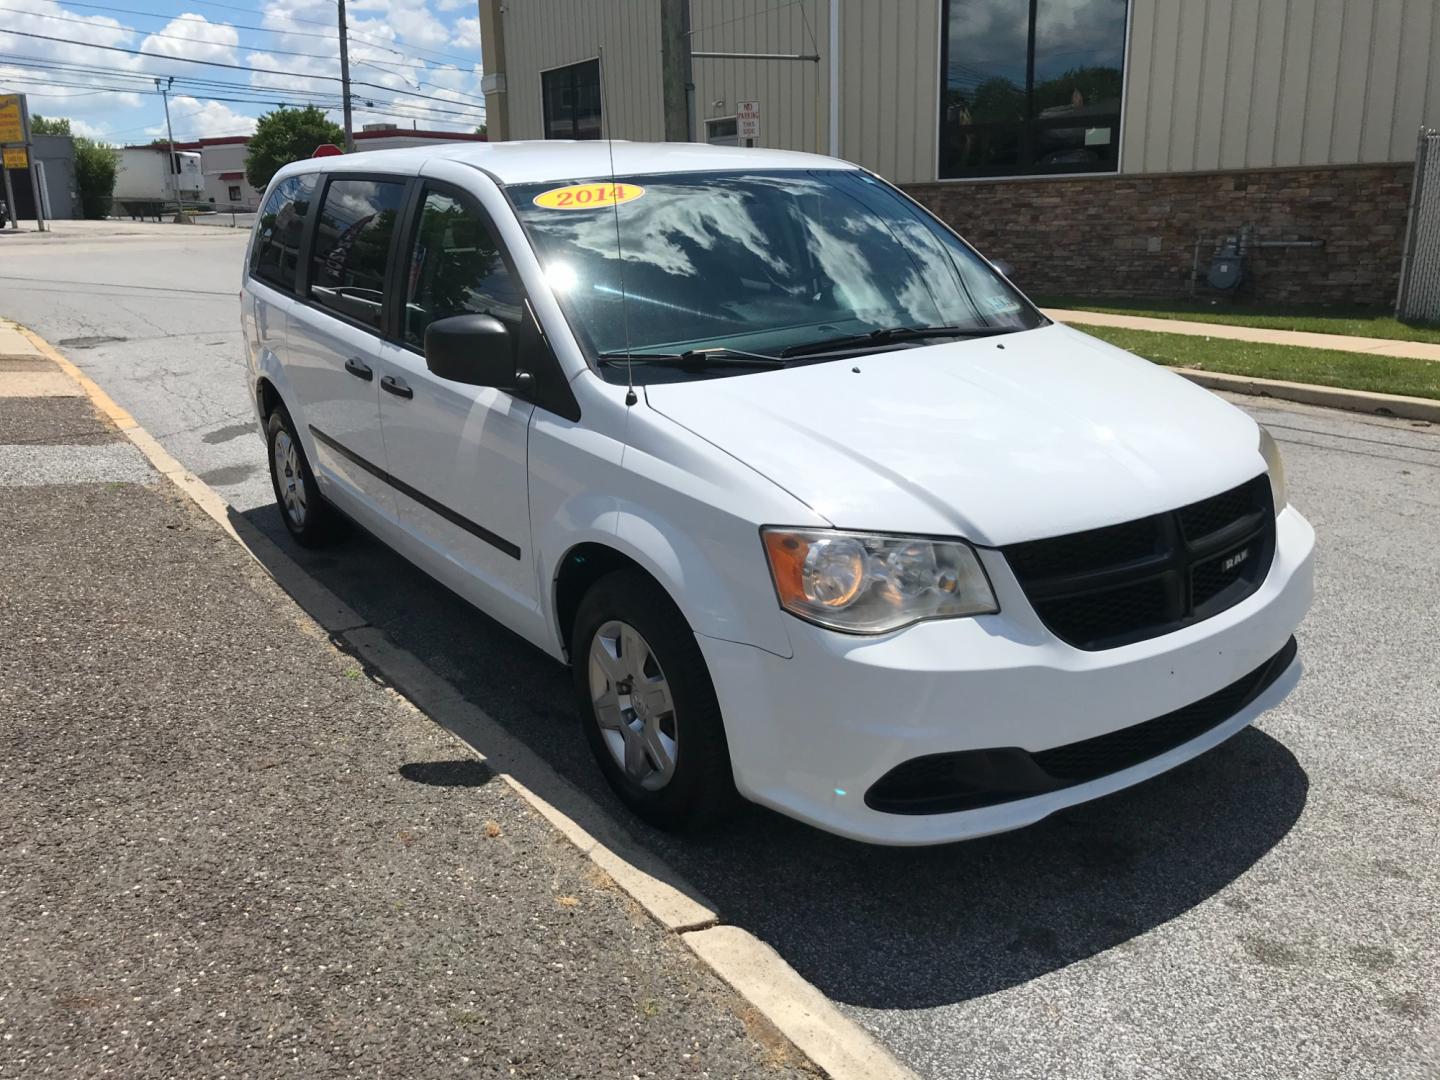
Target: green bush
95	166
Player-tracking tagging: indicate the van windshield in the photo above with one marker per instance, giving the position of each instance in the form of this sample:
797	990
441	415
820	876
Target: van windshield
732	273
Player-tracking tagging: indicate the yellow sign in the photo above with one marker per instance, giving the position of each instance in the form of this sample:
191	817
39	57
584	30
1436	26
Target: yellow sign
12	127
588	196
16	158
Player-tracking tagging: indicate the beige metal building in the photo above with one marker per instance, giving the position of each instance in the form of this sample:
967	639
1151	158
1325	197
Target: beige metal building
1107	146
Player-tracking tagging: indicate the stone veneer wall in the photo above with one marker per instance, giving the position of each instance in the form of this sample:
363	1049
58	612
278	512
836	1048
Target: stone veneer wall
1134	235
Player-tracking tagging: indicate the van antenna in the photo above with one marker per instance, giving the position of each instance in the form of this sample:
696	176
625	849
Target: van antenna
630	397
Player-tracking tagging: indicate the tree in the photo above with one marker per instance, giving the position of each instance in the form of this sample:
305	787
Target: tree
286	135
95	167
483	129
44	125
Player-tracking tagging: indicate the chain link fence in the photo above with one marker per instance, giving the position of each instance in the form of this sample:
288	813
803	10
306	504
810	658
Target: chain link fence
1419	296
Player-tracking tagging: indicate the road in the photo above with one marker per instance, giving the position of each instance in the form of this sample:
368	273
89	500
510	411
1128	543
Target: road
1267	910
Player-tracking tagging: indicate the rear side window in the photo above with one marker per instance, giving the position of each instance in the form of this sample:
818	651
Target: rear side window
456	269
277	233
352	244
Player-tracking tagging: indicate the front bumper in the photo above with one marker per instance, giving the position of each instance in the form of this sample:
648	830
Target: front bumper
811	734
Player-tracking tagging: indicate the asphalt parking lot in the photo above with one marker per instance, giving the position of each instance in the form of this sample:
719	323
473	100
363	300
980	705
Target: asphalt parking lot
1267	910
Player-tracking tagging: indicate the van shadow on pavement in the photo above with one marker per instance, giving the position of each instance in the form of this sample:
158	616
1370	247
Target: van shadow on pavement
882	928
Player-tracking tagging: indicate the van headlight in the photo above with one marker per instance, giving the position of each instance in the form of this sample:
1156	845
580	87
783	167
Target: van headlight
870	583
1274	468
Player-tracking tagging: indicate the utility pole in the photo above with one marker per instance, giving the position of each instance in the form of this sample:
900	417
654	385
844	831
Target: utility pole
677	83
173	169
345	79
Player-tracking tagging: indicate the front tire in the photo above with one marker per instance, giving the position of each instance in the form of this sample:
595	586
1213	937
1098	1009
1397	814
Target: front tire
648	706
308	517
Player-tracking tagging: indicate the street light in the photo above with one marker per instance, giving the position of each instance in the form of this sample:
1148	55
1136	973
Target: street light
173	170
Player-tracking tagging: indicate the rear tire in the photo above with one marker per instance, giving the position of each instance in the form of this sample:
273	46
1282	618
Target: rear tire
648	706
308	517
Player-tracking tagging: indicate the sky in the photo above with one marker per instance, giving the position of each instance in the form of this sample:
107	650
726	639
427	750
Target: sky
412	63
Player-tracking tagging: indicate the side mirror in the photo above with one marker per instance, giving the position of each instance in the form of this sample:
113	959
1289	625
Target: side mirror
471	349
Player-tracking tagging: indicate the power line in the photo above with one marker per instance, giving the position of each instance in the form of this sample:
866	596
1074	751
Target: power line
168	37
235	67
255	95
470	60
203	41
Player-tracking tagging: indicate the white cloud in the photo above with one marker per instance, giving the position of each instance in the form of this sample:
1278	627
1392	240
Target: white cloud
467	33
390	40
195	119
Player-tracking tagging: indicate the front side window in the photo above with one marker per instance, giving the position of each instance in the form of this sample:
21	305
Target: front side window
277	232
572	101
772	263
352	244
455	269
1031	88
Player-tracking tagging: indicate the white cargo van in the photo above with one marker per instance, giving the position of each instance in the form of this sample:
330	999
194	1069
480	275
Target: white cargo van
819	508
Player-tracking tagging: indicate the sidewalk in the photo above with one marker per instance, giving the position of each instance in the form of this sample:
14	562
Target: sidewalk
1415	350
228	851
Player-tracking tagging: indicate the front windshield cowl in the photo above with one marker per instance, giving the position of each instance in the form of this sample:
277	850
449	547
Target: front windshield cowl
754	263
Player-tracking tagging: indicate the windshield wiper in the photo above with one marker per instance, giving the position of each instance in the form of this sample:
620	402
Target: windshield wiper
693	358
888	336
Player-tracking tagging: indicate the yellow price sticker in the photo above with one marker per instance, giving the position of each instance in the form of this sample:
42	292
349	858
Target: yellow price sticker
16	158
588	196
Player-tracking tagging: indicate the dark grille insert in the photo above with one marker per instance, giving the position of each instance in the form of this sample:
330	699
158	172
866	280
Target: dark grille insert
969	779
1124	583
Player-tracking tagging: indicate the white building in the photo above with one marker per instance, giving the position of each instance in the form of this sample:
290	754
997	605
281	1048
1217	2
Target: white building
1102	142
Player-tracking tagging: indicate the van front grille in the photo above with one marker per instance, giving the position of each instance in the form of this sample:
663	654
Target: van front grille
1124	583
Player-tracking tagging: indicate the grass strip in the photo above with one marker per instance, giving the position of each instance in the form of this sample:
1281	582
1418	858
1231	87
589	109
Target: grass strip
1356	321
1322	367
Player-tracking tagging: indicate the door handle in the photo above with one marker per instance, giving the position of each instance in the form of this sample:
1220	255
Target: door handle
359	370
392	385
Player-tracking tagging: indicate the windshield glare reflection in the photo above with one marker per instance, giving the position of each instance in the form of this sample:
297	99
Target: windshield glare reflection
760	262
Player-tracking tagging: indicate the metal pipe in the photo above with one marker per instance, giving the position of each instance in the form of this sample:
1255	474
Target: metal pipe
834	78
814	58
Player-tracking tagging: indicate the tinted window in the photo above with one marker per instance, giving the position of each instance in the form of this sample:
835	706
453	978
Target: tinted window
1031	88
455	269
277	233
572	101
352	243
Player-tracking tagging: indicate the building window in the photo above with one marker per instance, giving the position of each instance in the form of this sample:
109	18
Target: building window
1031	88
234	193
572	101
723	131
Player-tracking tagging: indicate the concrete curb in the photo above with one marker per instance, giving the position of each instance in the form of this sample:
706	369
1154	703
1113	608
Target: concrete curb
1331	397
838	1045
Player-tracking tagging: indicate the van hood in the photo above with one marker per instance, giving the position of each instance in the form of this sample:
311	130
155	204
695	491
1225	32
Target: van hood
997	440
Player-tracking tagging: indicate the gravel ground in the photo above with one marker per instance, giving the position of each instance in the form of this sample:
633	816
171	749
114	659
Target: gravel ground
225	851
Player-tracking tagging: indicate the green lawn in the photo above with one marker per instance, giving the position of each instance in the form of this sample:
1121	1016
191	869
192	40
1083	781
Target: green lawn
1362	322
1326	367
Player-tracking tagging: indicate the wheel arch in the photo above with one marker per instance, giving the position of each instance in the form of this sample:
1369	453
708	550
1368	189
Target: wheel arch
578	570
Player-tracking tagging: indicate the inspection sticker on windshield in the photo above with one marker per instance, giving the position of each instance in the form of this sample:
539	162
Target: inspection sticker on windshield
1001	305
588	196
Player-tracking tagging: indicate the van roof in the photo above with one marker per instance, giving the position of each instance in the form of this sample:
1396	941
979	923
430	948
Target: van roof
555	159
